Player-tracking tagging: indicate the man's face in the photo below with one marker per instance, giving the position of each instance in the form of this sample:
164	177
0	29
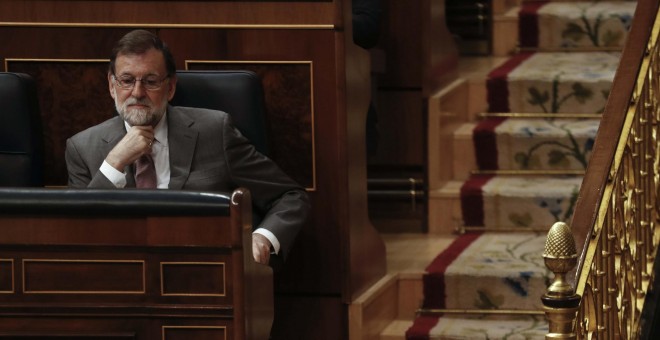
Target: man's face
141	104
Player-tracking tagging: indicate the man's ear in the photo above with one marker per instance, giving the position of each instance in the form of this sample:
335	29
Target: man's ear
111	86
171	87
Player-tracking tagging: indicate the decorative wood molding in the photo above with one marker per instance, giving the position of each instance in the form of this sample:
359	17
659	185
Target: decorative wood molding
7	274
189	330
88	270
220	271
165	25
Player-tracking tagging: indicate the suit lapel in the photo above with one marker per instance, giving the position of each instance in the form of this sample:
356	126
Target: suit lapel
182	141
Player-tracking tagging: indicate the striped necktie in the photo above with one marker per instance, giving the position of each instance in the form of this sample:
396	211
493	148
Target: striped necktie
145	172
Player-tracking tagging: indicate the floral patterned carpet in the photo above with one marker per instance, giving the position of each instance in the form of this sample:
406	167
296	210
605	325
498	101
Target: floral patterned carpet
553	82
482	327
534	144
500	271
576	24
520	202
536	83
490	271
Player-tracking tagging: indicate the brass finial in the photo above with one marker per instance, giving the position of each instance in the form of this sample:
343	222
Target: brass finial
560	302
560	256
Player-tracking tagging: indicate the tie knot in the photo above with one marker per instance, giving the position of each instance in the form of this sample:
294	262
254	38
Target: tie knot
144	160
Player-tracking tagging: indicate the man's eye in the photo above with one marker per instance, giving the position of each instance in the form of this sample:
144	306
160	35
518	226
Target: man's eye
150	82
127	81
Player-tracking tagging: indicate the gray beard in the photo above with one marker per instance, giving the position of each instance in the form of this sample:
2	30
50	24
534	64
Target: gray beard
139	117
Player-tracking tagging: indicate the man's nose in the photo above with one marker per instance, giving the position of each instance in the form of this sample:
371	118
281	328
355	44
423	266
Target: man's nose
138	89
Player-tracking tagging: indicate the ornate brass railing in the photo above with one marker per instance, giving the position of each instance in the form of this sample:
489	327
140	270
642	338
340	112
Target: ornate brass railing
616	223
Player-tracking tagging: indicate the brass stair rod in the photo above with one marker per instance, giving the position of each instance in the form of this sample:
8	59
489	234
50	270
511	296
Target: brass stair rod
390	182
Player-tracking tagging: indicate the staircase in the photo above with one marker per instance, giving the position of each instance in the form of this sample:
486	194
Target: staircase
503	175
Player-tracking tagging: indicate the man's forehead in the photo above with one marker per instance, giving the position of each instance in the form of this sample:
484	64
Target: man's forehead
151	61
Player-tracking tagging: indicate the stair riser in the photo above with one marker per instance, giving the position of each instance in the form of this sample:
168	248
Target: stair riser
465	161
444	214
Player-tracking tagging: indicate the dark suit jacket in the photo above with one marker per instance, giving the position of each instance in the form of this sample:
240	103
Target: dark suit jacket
207	153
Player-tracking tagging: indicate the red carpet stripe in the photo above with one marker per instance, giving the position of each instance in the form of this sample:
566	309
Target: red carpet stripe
497	89
434	279
472	200
421	327
528	23
485	143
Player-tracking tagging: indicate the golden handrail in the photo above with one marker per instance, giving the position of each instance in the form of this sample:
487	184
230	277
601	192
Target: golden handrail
616	218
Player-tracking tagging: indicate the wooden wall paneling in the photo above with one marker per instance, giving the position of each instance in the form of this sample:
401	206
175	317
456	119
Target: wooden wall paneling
399	91
364	249
439	49
309	317
420	58
402	43
203	14
403	141
58	42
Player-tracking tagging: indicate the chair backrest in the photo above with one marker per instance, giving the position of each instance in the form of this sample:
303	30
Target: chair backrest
21	134
238	93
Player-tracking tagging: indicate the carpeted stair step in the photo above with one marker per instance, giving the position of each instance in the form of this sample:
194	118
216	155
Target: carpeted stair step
541	145
575	25
542	83
552	82
534	144
486	271
518	202
482	272
456	326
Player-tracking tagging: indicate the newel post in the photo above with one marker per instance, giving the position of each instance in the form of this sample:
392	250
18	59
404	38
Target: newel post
560	303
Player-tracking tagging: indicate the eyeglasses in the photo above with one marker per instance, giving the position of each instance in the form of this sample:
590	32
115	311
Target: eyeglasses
150	83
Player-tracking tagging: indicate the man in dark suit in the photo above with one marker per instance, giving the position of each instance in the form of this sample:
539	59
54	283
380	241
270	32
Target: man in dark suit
366	32
153	144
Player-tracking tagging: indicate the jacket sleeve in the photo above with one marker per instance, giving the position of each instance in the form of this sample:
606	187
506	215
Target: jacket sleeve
79	174
283	203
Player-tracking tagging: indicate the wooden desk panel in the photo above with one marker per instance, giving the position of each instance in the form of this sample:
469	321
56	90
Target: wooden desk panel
137	277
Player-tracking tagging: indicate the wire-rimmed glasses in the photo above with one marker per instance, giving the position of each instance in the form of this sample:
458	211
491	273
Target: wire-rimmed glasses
150	83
